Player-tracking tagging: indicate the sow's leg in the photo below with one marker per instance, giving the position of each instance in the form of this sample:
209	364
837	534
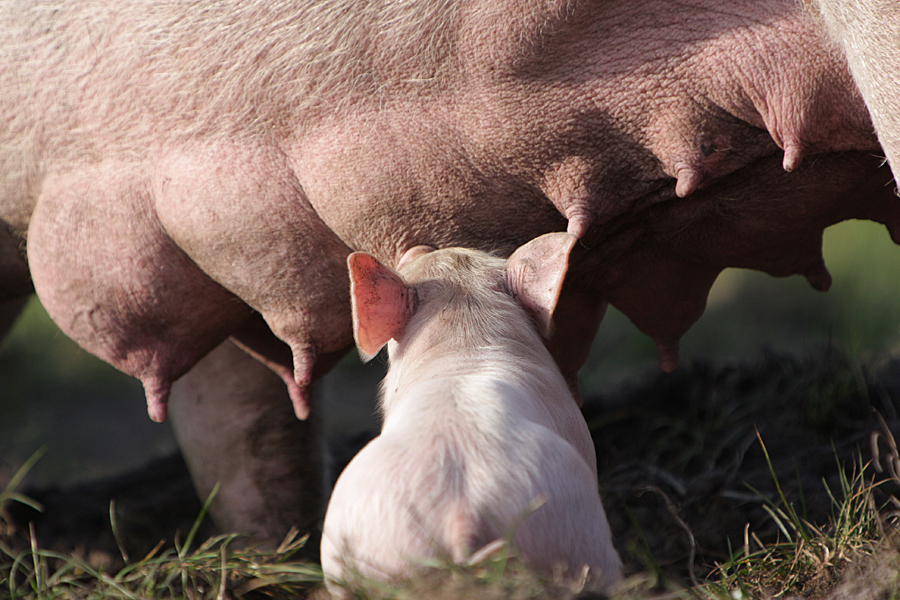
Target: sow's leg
236	426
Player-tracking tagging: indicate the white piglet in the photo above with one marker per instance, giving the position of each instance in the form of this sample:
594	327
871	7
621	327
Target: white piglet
482	438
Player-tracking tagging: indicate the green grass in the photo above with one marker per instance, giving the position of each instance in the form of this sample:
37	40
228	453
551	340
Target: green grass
805	559
213	570
221	567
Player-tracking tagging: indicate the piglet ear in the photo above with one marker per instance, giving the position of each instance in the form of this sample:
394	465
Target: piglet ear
382	304
535	274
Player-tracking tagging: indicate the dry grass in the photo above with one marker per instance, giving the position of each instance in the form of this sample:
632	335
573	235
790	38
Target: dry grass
694	427
219	568
853	557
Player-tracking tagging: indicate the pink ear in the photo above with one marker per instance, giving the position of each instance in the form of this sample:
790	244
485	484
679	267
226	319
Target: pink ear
535	274
382	304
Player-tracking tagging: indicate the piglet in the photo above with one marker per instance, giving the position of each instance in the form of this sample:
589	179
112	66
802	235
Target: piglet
482	440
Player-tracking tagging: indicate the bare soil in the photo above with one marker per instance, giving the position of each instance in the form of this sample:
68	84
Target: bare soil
683	473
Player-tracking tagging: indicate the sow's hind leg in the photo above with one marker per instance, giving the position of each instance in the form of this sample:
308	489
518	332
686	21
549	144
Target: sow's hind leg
235	425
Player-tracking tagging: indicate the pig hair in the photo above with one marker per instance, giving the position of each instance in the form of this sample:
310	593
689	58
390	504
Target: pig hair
96	78
465	311
867	34
237	66
466	290
122	71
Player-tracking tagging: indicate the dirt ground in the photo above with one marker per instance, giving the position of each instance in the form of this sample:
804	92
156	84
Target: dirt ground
683	473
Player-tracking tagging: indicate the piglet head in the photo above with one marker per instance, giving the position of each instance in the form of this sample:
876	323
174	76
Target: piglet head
382	303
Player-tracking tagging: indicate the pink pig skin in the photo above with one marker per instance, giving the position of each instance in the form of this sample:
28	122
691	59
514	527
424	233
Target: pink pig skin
175	173
175	170
245	438
867	32
481	438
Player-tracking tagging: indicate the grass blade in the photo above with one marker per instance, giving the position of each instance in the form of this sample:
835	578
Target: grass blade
196	526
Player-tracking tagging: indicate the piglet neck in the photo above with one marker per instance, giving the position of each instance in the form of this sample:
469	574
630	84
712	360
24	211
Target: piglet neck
447	360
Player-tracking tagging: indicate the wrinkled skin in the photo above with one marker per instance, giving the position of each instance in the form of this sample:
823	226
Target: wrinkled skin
180	173
479	424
